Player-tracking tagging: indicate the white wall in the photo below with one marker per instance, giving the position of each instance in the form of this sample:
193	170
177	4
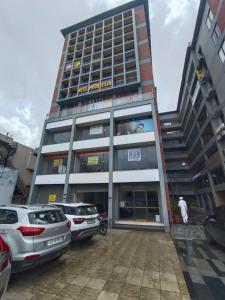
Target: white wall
50	179
59	124
63	147
150	175
93	118
85	178
133	111
8	180
91	144
145	137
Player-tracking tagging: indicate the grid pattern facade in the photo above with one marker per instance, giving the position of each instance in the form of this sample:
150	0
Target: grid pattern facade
100	56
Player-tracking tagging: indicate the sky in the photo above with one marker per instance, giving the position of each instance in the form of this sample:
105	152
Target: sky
31	47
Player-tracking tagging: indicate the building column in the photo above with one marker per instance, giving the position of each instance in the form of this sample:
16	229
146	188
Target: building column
110	186
68	168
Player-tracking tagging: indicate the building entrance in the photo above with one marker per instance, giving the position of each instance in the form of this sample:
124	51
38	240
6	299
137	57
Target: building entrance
139	206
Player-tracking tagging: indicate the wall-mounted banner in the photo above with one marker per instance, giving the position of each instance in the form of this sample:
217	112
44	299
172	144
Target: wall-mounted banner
95	86
134	154
92	161
135	126
57	162
51	198
96	130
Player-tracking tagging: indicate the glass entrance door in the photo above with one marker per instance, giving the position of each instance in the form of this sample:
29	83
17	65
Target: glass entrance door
139	206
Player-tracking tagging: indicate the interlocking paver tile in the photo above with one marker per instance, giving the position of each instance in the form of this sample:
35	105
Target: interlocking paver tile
110	266
170	296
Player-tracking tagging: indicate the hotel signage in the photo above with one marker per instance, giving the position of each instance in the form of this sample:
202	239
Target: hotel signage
95	86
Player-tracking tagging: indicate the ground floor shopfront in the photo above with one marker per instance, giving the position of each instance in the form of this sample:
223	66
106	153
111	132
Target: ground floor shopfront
132	203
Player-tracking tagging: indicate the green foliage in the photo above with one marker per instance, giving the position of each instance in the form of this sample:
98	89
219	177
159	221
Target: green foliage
174	207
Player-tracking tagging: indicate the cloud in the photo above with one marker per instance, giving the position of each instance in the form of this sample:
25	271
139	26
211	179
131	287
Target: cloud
178	10
25	112
19	130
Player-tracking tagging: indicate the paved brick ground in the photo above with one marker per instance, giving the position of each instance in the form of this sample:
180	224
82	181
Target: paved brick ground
204	269
124	265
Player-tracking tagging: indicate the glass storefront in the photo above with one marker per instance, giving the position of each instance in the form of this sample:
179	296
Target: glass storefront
138	205
136	159
55	165
93	162
93	132
58	137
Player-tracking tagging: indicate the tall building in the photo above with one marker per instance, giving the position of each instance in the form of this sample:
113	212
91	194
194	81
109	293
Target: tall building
194	134
100	143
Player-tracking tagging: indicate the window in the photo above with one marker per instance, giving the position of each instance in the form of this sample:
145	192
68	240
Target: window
136	159
93	162
134	126
55	165
209	19
8	216
216	34
222	52
46	217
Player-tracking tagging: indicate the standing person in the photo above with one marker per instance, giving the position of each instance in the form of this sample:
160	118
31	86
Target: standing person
183	209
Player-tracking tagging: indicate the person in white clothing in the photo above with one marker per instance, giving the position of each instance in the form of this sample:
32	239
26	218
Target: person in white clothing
183	209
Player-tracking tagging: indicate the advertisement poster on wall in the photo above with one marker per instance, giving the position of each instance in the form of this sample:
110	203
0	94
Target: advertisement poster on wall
134	154
96	130
92	160
57	162
135	126
51	198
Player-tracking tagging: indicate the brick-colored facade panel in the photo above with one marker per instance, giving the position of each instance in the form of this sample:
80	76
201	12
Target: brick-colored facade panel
147	89
146	72
53	110
142	34
139	15
143	51
214	5
221	17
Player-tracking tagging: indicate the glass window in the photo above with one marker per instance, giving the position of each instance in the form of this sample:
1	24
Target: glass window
222	52
8	216
86	210
93	132
46	217
209	19
94	162
134	126
58	137
137	158
56	165
216	34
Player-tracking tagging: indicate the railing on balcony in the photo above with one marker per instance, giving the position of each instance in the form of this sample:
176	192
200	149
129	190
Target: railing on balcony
100	105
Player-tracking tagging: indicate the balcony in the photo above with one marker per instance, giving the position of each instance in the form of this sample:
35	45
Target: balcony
89	178
136	138
50	179
101	105
149	175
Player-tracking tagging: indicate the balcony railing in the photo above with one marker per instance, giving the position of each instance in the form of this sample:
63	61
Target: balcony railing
100	105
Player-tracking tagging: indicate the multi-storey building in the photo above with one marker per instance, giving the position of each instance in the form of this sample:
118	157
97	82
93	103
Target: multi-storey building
100	142
193	135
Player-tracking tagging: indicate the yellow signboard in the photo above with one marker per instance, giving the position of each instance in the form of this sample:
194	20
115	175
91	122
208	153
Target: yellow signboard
93	160
51	198
95	86
57	162
76	64
200	74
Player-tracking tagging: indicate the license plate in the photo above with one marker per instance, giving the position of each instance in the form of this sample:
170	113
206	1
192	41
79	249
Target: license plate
92	221
55	241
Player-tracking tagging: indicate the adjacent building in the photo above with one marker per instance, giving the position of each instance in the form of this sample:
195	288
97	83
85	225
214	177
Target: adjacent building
194	134
17	163
100	142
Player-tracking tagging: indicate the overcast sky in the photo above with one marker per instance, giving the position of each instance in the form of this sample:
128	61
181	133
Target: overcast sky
31	45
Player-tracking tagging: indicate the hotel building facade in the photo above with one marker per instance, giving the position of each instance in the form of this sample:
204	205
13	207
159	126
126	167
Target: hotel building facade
101	140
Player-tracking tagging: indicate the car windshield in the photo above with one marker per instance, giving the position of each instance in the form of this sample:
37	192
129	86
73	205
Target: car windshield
8	216
46	217
86	210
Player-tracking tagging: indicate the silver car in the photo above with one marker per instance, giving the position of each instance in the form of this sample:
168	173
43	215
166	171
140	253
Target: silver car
35	234
5	267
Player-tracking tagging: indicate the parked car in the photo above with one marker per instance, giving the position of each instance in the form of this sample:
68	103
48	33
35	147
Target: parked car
35	234
214	226
5	267
83	217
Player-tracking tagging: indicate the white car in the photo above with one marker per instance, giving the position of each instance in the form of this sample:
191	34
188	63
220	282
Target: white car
83	217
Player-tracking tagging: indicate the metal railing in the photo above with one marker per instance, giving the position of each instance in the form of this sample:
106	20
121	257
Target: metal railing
101	105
